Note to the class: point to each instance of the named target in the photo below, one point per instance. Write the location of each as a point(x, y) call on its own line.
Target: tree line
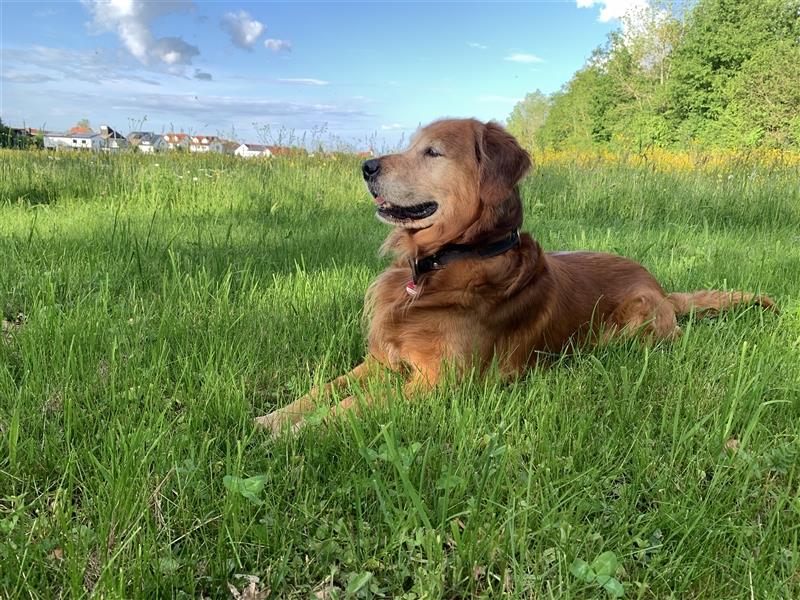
point(710, 73)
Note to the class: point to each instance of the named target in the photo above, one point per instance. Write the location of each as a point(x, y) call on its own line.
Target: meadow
point(153, 305)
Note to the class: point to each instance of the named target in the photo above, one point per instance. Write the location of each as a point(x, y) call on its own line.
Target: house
point(250, 150)
point(113, 141)
point(226, 147)
point(83, 138)
point(176, 141)
point(204, 143)
point(73, 141)
point(147, 142)
point(285, 151)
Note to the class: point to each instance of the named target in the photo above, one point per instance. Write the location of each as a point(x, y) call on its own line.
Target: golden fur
point(513, 307)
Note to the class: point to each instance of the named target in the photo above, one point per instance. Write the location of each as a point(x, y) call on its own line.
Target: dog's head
point(456, 182)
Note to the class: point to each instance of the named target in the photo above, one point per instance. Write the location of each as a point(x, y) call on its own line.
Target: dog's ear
point(502, 162)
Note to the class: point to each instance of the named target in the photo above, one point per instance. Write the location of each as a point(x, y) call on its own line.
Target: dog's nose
point(371, 167)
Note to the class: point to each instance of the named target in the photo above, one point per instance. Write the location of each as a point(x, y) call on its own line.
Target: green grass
point(161, 314)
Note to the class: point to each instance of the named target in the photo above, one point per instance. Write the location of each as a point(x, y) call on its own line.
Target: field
point(153, 305)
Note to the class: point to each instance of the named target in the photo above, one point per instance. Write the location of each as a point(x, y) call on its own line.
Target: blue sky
point(360, 71)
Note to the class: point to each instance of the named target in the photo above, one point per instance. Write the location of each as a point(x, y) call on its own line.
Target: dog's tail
point(710, 302)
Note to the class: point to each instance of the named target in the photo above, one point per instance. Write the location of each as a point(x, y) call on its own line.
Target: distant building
point(113, 141)
point(251, 150)
point(176, 141)
point(147, 142)
point(204, 143)
point(286, 151)
point(83, 138)
point(73, 141)
point(226, 147)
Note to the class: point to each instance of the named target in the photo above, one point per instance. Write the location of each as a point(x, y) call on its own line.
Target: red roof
point(208, 138)
point(175, 137)
point(285, 151)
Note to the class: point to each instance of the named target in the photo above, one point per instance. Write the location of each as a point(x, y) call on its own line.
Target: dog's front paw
point(277, 422)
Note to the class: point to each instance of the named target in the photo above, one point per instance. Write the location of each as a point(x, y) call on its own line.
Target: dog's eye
point(432, 152)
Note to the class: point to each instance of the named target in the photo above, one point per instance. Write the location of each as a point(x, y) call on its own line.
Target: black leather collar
point(453, 252)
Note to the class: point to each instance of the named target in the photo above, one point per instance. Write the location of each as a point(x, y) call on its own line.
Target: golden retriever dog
point(467, 288)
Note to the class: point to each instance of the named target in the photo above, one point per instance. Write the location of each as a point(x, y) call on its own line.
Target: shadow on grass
point(32, 195)
point(242, 246)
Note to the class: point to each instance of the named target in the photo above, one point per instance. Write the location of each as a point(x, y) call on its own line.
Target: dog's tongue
point(379, 200)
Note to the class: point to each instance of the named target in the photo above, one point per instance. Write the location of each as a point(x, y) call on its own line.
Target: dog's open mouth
point(405, 213)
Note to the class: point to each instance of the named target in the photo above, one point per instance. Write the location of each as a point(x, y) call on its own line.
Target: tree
point(82, 126)
point(721, 37)
point(651, 33)
point(764, 99)
point(717, 72)
point(577, 113)
point(528, 117)
point(6, 140)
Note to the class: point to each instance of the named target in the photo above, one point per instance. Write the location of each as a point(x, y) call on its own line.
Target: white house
point(204, 143)
point(82, 138)
point(147, 142)
point(250, 150)
point(74, 141)
point(176, 141)
point(113, 141)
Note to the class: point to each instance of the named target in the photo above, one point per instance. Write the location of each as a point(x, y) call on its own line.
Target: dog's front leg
point(423, 378)
point(293, 414)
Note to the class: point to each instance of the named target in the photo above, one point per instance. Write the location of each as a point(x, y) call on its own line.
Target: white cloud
point(613, 9)
point(202, 75)
point(496, 98)
point(304, 81)
point(18, 77)
point(477, 45)
point(230, 108)
point(391, 127)
point(131, 21)
point(174, 51)
point(243, 29)
point(278, 45)
point(93, 66)
point(523, 58)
